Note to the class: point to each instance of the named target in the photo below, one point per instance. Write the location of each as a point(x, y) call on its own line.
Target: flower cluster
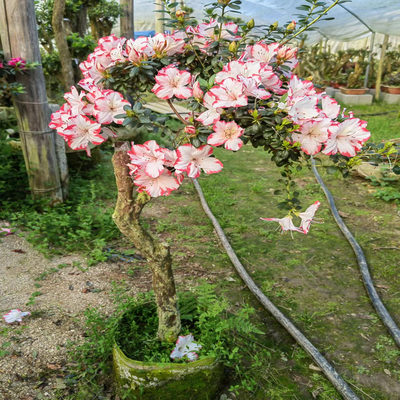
point(158, 171)
point(319, 122)
point(259, 80)
point(80, 120)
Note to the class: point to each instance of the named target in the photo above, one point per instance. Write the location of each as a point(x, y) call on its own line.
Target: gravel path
point(56, 292)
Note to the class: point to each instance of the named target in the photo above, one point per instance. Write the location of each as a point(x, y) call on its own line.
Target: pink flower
point(229, 94)
point(6, 230)
point(17, 62)
point(299, 88)
point(1, 65)
point(81, 131)
point(172, 82)
point(148, 157)
point(307, 217)
point(191, 160)
point(226, 133)
point(262, 52)
point(286, 223)
point(162, 185)
point(304, 108)
point(212, 114)
point(313, 135)
point(108, 106)
point(347, 137)
point(198, 94)
point(15, 315)
point(185, 347)
point(190, 129)
point(330, 107)
point(139, 50)
point(60, 118)
point(166, 45)
point(75, 100)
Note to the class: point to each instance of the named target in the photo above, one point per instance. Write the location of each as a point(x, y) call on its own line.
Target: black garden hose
point(362, 262)
point(330, 372)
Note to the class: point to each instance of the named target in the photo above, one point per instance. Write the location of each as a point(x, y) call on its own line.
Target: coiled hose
point(330, 372)
point(362, 262)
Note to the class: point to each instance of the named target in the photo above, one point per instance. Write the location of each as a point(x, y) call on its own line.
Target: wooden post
point(159, 14)
point(380, 67)
point(126, 22)
point(19, 38)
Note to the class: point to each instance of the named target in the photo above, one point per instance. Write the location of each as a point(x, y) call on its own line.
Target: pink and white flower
point(192, 160)
point(185, 347)
point(330, 107)
point(307, 217)
point(226, 133)
point(15, 315)
point(81, 131)
point(303, 108)
point(148, 157)
point(172, 82)
point(229, 94)
point(108, 106)
point(212, 114)
point(162, 185)
point(166, 45)
point(75, 100)
point(313, 135)
point(286, 223)
point(347, 137)
point(262, 52)
point(198, 94)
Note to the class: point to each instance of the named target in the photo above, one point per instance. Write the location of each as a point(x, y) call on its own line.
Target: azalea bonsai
point(236, 88)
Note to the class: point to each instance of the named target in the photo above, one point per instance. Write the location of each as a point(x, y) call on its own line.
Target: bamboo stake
point(18, 32)
point(380, 67)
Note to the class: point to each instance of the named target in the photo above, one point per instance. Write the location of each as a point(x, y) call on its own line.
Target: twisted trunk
point(126, 217)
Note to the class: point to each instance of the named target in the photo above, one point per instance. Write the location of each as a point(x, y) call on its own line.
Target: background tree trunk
point(61, 43)
point(19, 38)
point(126, 22)
point(126, 217)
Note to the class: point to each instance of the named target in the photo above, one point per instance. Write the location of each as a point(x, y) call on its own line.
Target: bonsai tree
point(236, 87)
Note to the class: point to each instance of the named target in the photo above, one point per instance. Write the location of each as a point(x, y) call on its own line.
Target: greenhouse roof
point(381, 16)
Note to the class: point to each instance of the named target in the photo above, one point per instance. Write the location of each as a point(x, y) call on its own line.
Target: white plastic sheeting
point(382, 16)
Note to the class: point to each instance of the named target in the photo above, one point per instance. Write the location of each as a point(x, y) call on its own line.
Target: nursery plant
point(237, 87)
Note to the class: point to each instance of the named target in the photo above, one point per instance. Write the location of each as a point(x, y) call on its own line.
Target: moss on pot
point(166, 381)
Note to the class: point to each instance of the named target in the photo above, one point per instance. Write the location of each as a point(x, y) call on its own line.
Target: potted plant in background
point(236, 89)
point(355, 82)
point(392, 83)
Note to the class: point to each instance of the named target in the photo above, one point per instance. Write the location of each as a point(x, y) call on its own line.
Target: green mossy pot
point(197, 380)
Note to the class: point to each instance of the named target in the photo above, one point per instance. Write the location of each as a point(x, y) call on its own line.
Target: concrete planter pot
point(197, 380)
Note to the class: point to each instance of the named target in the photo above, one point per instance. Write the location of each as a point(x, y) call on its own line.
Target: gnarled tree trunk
point(126, 217)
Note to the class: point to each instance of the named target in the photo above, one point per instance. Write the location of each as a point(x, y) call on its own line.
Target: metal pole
point(371, 50)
